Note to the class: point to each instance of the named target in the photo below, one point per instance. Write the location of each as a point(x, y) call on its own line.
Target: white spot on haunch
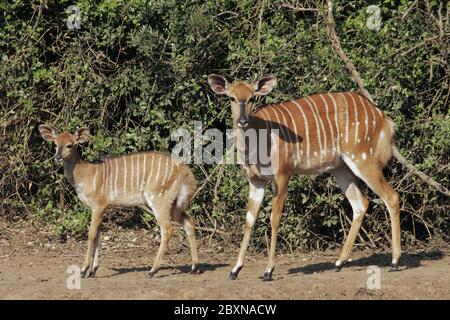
point(364, 156)
point(371, 151)
point(352, 166)
point(359, 140)
point(315, 153)
point(368, 138)
point(353, 156)
point(182, 195)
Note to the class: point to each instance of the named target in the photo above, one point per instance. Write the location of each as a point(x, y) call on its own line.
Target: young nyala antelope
point(149, 180)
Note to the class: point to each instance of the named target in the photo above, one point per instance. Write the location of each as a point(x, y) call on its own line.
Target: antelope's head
point(241, 93)
point(65, 142)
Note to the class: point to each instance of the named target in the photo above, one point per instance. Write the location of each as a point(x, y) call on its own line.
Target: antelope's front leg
point(277, 208)
point(93, 244)
point(255, 198)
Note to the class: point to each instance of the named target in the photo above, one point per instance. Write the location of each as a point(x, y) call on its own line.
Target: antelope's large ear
point(218, 84)
point(81, 135)
point(48, 132)
point(264, 85)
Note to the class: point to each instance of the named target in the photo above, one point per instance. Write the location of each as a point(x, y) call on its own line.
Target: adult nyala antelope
point(150, 180)
point(341, 133)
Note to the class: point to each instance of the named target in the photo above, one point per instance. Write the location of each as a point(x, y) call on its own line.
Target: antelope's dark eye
point(69, 146)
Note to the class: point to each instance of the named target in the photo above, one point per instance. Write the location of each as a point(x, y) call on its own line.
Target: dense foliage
point(136, 70)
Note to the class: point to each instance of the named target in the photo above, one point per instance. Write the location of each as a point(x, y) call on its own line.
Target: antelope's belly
point(129, 199)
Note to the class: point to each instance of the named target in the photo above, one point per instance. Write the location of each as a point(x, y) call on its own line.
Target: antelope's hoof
point(232, 276)
point(195, 270)
point(337, 268)
point(93, 272)
point(267, 277)
point(83, 272)
point(394, 267)
point(151, 274)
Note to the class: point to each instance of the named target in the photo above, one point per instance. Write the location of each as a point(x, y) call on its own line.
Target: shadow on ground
point(203, 267)
point(408, 261)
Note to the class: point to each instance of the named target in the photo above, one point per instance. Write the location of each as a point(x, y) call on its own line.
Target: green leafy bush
point(137, 69)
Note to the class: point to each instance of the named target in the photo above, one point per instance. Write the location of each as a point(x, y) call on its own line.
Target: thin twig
point(8, 255)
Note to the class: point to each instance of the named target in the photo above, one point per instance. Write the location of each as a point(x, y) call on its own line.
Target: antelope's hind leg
point(373, 176)
point(161, 210)
point(181, 217)
point(348, 183)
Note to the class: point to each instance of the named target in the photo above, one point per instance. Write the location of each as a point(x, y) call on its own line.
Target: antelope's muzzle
point(242, 121)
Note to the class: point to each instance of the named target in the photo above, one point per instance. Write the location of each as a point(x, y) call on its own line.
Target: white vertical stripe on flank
point(373, 116)
point(338, 133)
point(116, 176)
point(288, 135)
point(124, 175)
point(356, 118)
point(103, 176)
point(282, 129)
point(108, 179)
point(267, 118)
point(132, 172)
point(366, 121)
point(346, 116)
point(169, 175)
point(159, 166)
point(143, 172)
point(305, 121)
point(267, 123)
point(381, 113)
point(277, 121)
point(151, 168)
point(94, 185)
point(138, 156)
point(296, 138)
point(110, 167)
point(317, 126)
point(322, 127)
point(166, 168)
point(327, 112)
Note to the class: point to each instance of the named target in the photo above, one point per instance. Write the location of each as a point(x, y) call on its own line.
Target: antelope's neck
point(74, 169)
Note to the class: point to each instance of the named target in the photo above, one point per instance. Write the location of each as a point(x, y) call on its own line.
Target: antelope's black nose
point(58, 157)
point(242, 123)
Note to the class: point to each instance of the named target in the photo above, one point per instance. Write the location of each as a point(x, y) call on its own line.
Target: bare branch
point(331, 31)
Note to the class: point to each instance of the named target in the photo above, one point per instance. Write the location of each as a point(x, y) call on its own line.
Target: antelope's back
point(317, 130)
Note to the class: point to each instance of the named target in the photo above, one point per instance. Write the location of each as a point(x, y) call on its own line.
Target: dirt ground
point(33, 265)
